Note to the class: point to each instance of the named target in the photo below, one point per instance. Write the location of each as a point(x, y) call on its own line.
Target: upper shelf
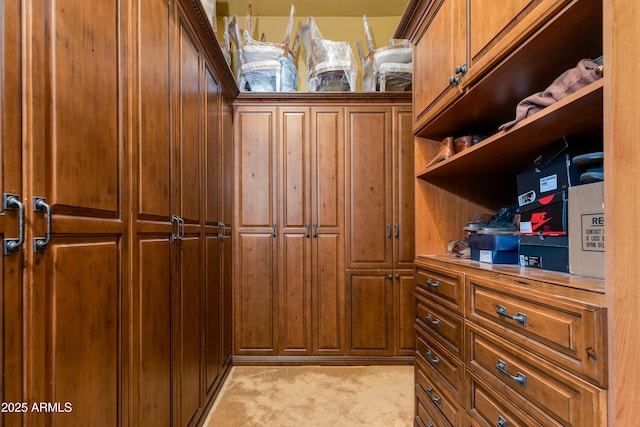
point(513, 150)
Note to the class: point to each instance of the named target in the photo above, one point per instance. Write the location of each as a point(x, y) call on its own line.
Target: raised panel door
point(11, 279)
point(437, 51)
point(368, 188)
point(404, 284)
point(294, 273)
point(327, 204)
point(212, 325)
point(371, 318)
point(76, 295)
point(403, 191)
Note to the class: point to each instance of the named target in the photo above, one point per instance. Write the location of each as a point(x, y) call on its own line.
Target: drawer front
point(425, 415)
point(432, 396)
point(441, 364)
point(442, 286)
point(569, 334)
point(568, 399)
point(445, 325)
point(488, 408)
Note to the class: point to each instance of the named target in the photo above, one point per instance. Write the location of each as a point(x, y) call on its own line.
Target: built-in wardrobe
point(116, 216)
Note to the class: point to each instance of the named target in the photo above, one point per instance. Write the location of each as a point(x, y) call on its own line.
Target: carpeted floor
point(308, 396)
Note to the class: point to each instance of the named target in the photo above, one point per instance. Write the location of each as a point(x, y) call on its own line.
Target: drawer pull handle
point(520, 318)
point(501, 421)
point(435, 399)
point(434, 285)
point(435, 360)
point(433, 321)
point(520, 378)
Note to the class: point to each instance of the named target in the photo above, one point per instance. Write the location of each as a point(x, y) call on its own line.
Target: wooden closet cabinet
point(289, 296)
point(380, 231)
point(112, 148)
point(503, 345)
point(458, 41)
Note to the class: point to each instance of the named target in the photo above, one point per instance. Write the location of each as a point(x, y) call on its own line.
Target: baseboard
point(321, 360)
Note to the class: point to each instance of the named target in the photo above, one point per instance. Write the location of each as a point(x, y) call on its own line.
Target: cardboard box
point(586, 223)
point(548, 253)
point(494, 257)
point(550, 177)
point(546, 216)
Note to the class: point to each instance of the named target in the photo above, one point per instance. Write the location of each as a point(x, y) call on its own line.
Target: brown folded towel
point(585, 73)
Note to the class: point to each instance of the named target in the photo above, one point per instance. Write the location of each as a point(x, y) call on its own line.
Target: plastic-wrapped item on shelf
point(210, 10)
point(394, 77)
point(369, 82)
point(331, 64)
point(288, 75)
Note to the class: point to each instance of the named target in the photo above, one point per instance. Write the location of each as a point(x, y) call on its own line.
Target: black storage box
point(546, 216)
point(543, 180)
point(548, 253)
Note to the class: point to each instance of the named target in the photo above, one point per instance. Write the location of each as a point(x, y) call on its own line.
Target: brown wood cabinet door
point(77, 302)
point(495, 28)
point(11, 291)
point(327, 205)
point(369, 216)
point(403, 191)
point(256, 232)
point(227, 218)
point(152, 192)
point(371, 315)
point(405, 303)
point(437, 52)
point(294, 238)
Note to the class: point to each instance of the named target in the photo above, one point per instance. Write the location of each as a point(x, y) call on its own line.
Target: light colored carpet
point(306, 396)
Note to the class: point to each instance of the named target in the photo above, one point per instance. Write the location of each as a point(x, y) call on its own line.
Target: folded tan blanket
point(586, 72)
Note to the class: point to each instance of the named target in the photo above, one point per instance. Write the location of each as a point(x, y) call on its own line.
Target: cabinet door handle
point(435, 285)
point(308, 228)
point(433, 320)
point(454, 80)
point(175, 237)
point(315, 231)
point(11, 202)
point(275, 230)
point(461, 69)
point(388, 231)
point(40, 205)
point(435, 359)
point(520, 318)
point(397, 226)
point(520, 378)
point(435, 399)
point(502, 422)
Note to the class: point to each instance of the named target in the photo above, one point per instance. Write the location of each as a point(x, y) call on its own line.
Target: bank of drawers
point(495, 349)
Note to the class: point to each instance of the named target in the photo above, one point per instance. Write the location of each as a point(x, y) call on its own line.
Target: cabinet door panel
point(189, 357)
point(154, 288)
point(154, 145)
point(328, 292)
point(81, 330)
point(11, 267)
point(371, 314)
point(405, 313)
point(212, 149)
point(255, 294)
point(212, 311)
point(404, 191)
point(295, 295)
point(369, 227)
point(255, 142)
point(295, 168)
point(189, 127)
point(83, 136)
point(328, 158)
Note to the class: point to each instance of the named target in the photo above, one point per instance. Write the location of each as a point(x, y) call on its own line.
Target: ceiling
point(313, 7)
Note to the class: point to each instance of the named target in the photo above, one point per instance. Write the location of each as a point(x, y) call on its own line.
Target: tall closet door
point(12, 308)
point(327, 195)
point(75, 188)
point(152, 204)
point(188, 286)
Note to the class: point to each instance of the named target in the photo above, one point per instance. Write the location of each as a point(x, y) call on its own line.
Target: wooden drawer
point(569, 333)
point(525, 377)
point(441, 364)
point(444, 287)
point(435, 400)
point(425, 415)
point(488, 408)
point(445, 325)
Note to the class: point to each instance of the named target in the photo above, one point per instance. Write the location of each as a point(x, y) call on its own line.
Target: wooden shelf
point(513, 150)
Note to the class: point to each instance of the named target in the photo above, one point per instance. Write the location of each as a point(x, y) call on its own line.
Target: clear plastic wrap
point(331, 64)
point(393, 77)
point(210, 10)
